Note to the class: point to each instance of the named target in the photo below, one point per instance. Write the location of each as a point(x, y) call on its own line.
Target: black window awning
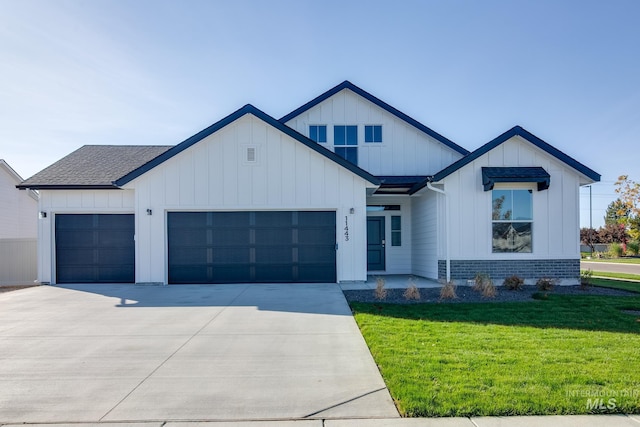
point(515, 174)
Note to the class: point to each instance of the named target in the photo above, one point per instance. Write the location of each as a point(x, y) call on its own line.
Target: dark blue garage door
point(244, 247)
point(95, 248)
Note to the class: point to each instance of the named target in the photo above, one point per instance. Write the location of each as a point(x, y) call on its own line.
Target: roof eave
point(67, 187)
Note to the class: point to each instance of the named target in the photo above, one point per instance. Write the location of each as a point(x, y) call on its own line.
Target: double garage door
point(232, 247)
point(204, 247)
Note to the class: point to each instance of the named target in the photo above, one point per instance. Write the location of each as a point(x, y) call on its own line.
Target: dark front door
point(95, 248)
point(375, 243)
point(237, 247)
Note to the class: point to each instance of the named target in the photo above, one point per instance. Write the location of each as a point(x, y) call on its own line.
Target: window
point(318, 133)
point(373, 133)
point(512, 217)
point(345, 141)
point(396, 231)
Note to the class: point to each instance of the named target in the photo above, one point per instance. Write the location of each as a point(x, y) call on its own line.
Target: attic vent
point(251, 154)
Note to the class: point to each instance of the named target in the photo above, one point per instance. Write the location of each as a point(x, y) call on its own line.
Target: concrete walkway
point(131, 354)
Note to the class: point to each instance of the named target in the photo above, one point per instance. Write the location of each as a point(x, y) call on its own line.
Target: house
point(18, 229)
point(342, 187)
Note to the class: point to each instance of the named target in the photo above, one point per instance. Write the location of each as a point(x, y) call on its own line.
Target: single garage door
point(238, 247)
point(95, 248)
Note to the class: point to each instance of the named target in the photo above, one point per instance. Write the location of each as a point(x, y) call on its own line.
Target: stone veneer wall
point(499, 269)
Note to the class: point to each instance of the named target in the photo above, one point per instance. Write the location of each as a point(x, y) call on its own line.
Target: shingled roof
point(94, 167)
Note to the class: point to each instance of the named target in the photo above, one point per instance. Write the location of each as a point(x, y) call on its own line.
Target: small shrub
point(545, 284)
point(412, 292)
point(633, 248)
point(616, 250)
point(380, 293)
point(480, 280)
point(448, 291)
point(585, 278)
point(489, 291)
point(513, 283)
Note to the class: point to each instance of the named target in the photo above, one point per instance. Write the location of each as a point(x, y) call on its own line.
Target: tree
point(589, 236)
point(629, 192)
point(613, 233)
point(617, 212)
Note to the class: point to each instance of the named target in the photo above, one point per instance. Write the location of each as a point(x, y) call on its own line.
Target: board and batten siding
point(215, 175)
point(404, 150)
point(425, 234)
point(73, 202)
point(18, 209)
point(556, 231)
point(397, 258)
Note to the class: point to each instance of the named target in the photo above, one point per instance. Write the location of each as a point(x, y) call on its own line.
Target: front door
point(375, 243)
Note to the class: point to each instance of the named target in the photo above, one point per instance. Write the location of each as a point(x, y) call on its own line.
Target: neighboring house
point(342, 187)
point(18, 229)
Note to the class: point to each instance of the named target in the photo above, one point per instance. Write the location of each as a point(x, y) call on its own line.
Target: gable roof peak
point(366, 95)
point(529, 137)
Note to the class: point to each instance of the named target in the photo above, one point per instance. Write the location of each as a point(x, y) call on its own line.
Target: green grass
point(617, 275)
point(616, 284)
point(614, 260)
point(542, 357)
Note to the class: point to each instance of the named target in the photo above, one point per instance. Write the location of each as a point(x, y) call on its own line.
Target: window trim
point(346, 147)
point(373, 134)
point(511, 187)
point(397, 232)
point(318, 134)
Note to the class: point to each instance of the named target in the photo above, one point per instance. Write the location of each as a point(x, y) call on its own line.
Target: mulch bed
point(466, 294)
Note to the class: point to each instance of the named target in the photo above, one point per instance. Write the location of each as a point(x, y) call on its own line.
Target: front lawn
point(615, 284)
point(553, 356)
point(611, 275)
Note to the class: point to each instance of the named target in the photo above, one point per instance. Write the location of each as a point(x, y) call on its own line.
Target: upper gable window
point(345, 141)
point(373, 133)
point(512, 220)
point(318, 133)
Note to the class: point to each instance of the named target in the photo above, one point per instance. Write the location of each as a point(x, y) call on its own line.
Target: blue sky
point(156, 72)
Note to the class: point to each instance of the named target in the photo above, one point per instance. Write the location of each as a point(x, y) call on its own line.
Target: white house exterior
point(18, 229)
point(342, 187)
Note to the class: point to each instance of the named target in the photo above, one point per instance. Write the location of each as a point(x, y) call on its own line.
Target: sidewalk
point(533, 421)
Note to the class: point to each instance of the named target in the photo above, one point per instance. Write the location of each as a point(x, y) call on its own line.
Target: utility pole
point(590, 222)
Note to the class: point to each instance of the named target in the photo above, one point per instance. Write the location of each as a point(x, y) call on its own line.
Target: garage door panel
point(74, 222)
point(315, 273)
point(113, 238)
point(315, 255)
point(74, 239)
point(114, 257)
point(191, 236)
point(274, 255)
point(233, 255)
point(230, 236)
point(95, 248)
point(282, 246)
point(275, 273)
point(274, 219)
point(320, 236)
point(273, 235)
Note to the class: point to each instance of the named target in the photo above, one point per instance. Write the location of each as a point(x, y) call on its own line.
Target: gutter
point(446, 229)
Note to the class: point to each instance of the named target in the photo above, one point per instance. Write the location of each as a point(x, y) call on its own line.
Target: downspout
point(446, 229)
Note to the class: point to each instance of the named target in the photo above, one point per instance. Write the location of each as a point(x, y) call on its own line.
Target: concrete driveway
point(222, 352)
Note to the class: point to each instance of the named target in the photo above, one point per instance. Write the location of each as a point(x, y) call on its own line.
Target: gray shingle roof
point(94, 166)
